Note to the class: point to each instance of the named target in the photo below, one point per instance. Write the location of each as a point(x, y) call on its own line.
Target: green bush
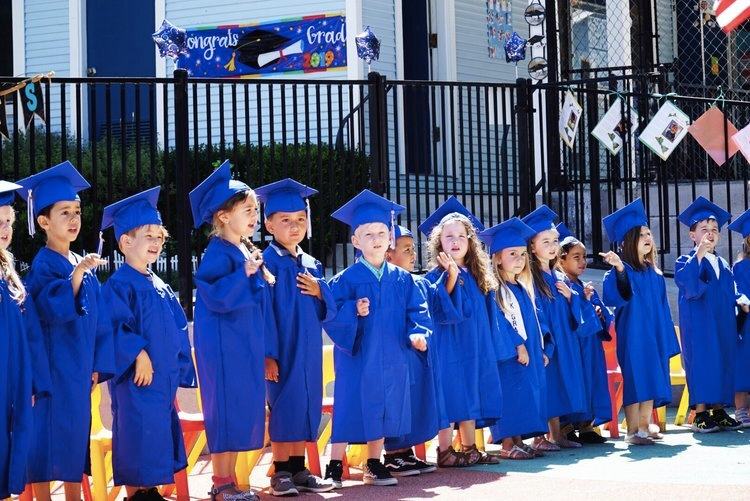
point(337, 175)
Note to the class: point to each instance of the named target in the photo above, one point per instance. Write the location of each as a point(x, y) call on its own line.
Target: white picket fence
point(162, 264)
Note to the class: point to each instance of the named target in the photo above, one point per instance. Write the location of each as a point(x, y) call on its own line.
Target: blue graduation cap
point(56, 184)
point(8, 192)
point(286, 195)
point(368, 207)
point(741, 224)
point(402, 231)
point(511, 233)
point(217, 188)
point(133, 212)
point(450, 206)
point(564, 231)
point(625, 219)
point(540, 219)
point(702, 209)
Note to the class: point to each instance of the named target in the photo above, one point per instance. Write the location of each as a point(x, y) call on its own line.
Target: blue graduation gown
point(708, 328)
point(560, 318)
point(296, 400)
point(15, 395)
point(77, 337)
point(590, 334)
point(372, 394)
point(741, 272)
point(234, 332)
point(524, 387)
point(646, 338)
point(147, 446)
point(424, 402)
point(468, 347)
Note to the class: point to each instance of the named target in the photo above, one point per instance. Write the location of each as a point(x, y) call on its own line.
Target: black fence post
point(183, 237)
point(592, 112)
point(378, 115)
point(526, 167)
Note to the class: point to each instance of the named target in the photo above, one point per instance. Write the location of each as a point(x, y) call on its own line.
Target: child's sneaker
point(743, 416)
point(400, 465)
point(724, 420)
point(305, 481)
point(704, 423)
point(334, 471)
point(376, 473)
point(419, 464)
point(282, 485)
point(230, 492)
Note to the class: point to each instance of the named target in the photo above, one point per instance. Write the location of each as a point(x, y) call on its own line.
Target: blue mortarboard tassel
point(515, 48)
point(171, 40)
point(368, 46)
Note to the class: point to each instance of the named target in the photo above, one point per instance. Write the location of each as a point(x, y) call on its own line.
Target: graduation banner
point(32, 102)
point(292, 45)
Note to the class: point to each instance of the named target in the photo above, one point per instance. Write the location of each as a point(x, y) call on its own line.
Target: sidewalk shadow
point(658, 450)
point(727, 439)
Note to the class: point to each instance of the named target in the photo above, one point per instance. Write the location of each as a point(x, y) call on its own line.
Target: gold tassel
point(230, 65)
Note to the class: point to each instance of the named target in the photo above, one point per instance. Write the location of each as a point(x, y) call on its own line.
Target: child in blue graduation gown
point(18, 325)
point(646, 340)
point(594, 330)
point(741, 272)
point(523, 378)
point(466, 342)
point(560, 311)
point(152, 353)
point(381, 315)
point(75, 326)
point(234, 326)
point(708, 323)
point(302, 300)
point(399, 453)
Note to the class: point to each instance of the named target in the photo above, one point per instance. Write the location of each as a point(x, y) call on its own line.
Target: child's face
point(512, 261)
point(546, 245)
point(63, 223)
point(373, 240)
point(454, 240)
point(708, 228)
point(404, 255)
point(288, 228)
point(145, 246)
point(242, 220)
point(645, 242)
point(574, 262)
point(7, 218)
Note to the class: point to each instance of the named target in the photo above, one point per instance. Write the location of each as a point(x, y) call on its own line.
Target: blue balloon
point(515, 48)
point(368, 46)
point(171, 40)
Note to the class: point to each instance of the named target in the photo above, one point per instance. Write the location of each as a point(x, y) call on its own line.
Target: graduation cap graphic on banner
point(261, 48)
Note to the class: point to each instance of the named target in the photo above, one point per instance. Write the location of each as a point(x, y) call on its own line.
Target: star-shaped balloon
point(515, 48)
point(171, 40)
point(368, 46)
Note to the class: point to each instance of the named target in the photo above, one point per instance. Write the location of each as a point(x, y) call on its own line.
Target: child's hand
point(89, 262)
point(545, 359)
point(599, 313)
point(144, 371)
point(94, 380)
point(745, 308)
point(446, 261)
point(363, 307)
point(309, 285)
point(563, 289)
point(588, 291)
point(253, 264)
point(523, 354)
point(705, 246)
point(272, 370)
point(419, 342)
point(612, 259)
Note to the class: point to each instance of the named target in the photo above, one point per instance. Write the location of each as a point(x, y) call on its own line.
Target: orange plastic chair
point(614, 381)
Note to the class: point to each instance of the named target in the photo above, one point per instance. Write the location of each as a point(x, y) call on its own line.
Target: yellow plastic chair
point(101, 451)
point(328, 378)
point(677, 377)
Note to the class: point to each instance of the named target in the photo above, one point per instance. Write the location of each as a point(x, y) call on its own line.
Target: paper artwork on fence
point(570, 117)
point(742, 140)
point(666, 130)
point(613, 127)
point(708, 131)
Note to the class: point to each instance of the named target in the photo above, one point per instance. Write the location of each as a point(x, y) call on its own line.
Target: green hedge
point(337, 175)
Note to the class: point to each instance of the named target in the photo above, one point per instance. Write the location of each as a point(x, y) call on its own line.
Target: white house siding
point(47, 48)
point(665, 17)
point(193, 13)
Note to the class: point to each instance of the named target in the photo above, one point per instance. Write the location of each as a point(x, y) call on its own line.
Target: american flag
point(731, 13)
